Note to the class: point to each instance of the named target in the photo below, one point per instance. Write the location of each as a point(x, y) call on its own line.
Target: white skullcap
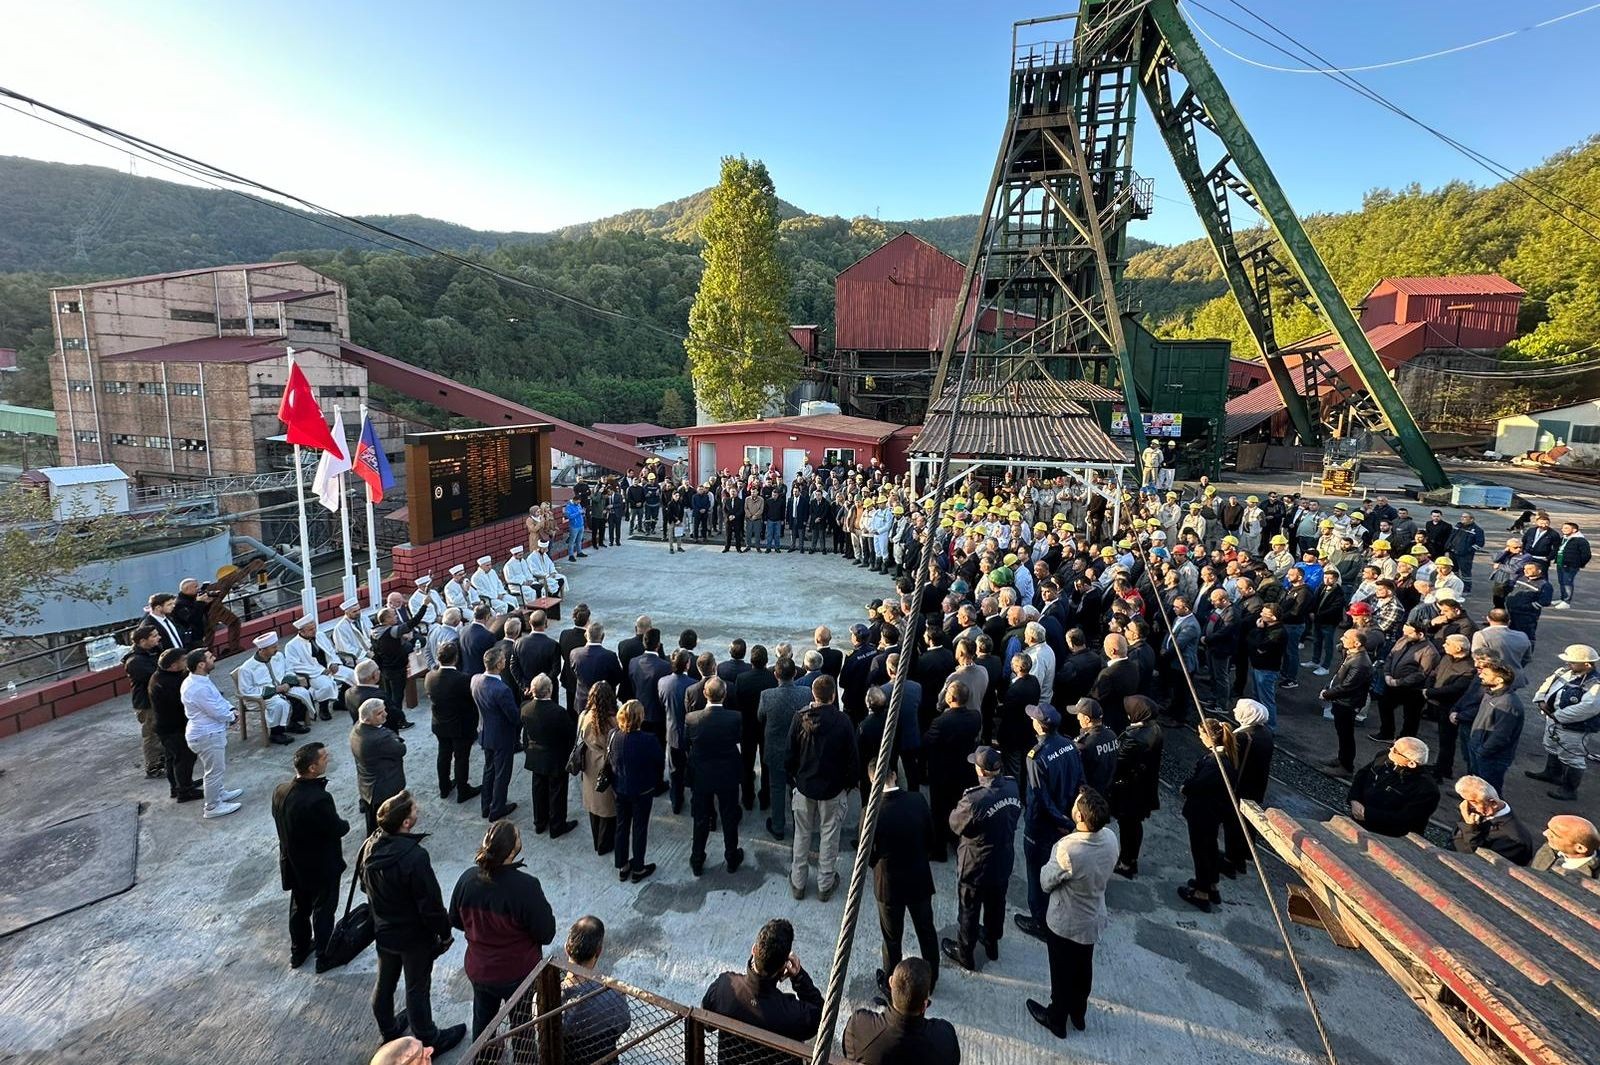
point(1248, 712)
point(266, 639)
point(349, 604)
point(458, 568)
point(424, 579)
point(517, 550)
point(544, 545)
point(484, 560)
point(305, 620)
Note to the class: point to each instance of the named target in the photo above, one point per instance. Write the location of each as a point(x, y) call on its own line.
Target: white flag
point(331, 468)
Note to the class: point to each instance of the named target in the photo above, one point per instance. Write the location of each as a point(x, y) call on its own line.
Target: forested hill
point(1456, 229)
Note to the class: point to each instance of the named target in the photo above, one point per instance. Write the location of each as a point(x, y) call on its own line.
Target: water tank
point(818, 406)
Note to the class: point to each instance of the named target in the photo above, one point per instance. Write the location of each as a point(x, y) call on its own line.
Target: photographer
point(754, 998)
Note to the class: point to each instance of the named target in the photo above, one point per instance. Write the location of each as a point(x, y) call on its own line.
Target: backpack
point(1571, 693)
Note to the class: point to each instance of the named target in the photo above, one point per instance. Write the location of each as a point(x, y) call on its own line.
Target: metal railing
point(564, 1014)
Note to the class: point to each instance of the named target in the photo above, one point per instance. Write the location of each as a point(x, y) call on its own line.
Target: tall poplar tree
point(739, 348)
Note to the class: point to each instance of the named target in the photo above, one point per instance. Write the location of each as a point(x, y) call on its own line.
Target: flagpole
point(374, 574)
point(350, 582)
point(308, 592)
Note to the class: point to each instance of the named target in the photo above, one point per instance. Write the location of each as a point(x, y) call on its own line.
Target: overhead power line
point(1518, 181)
point(1440, 53)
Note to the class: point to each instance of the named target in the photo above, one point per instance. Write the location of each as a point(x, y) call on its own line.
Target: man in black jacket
point(746, 701)
point(903, 1032)
point(645, 673)
point(537, 652)
point(832, 657)
point(947, 746)
point(1076, 673)
point(753, 997)
point(1118, 679)
point(1097, 746)
point(902, 880)
point(548, 733)
point(1347, 692)
point(627, 651)
point(591, 664)
point(455, 721)
point(391, 649)
point(476, 639)
point(569, 641)
point(1394, 795)
point(141, 664)
point(411, 924)
point(309, 853)
point(1487, 823)
point(730, 668)
point(986, 823)
point(854, 673)
point(822, 768)
point(166, 704)
point(380, 757)
point(712, 735)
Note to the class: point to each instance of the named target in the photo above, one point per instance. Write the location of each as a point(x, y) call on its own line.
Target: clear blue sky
point(532, 115)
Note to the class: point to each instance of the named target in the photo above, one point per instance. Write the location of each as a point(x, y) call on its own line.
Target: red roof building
point(1477, 312)
point(792, 442)
point(638, 434)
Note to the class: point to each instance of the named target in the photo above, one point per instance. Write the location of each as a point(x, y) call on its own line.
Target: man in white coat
point(487, 588)
point(456, 593)
point(519, 584)
point(542, 567)
point(310, 654)
point(264, 675)
point(350, 639)
point(426, 596)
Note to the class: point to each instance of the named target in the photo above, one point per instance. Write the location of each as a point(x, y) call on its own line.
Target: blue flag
point(371, 464)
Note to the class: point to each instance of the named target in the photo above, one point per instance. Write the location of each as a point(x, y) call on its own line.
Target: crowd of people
point(1063, 630)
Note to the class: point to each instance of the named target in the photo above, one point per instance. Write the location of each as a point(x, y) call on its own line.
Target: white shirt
point(208, 712)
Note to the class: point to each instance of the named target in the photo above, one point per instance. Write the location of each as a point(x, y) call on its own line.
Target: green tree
point(738, 342)
point(674, 412)
point(41, 559)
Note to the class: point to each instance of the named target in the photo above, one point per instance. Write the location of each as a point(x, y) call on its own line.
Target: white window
point(835, 455)
point(758, 456)
point(69, 307)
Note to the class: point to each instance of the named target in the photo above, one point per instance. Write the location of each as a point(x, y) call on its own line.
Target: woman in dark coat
point(636, 764)
point(1136, 785)
point(1252, 741)
point(1207, 806)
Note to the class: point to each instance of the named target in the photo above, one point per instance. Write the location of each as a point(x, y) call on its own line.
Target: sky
point(533, 115)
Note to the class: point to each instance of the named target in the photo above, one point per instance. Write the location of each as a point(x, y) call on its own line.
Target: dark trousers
point(633, 830)
point(707, 803)
point(1035, 852)
point(1131, 831)
point(679, 766)
point(549, 800)
point(1344, 727)
point(311, 910)
point(1071, 977)
point(486, 1002)
point(454, 752)
point(180, 763)
point(1409, 703)
point(1449, 735)
point(614, 528)
point(819, 538)
point(392, 682)
point(417, 964)
point(496, 778)
point(702, 522)
point(603, 830)
point(943, 795)
point(973, 902)
point(1235, 849)
point(1203, 848)
point(658, 729)
point(734, 535)
point(892, 920)
point(370, 812)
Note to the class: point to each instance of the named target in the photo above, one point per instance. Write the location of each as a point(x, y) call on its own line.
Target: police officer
point(985, 822)
point(1055, 772)
point(1097, 747)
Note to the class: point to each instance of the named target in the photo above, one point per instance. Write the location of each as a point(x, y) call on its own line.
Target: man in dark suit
point(902, 880)
point(746, 701)
point(1118, 679)
point(309, 855)
point(366, 687)
point(627, 651)
point(705, 667)
point(933, 668)
point(569, 641)
point(645, 672)
point(380, 757)
point(832, 657)
point(854, 674)
point(476, 639)
point(673, 688)
point(548, 733)
point(499, 729)
point(734, 665)
point(712, 735)
point(591, 664)
point(537, 652)
point(888, 644)
point(1076, 673)
point(455, 721)
point(950, 738)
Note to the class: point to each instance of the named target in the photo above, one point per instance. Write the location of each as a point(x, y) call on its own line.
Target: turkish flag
point(302, 418)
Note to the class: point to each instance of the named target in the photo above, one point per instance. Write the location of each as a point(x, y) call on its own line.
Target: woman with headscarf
point(595, 726)
point(1136, 783)
point(1252, 741)
point(1207, 806)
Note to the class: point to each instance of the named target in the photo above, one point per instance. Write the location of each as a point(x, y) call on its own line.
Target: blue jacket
point(476, 639)
point(646, 671)
point(636, 762)
point(986, 821)
point(574, 513)
point(499, 717)
point(672, 688)
point(1055, 772)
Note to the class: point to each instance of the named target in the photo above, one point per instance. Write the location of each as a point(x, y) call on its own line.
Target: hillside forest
point(63, 223)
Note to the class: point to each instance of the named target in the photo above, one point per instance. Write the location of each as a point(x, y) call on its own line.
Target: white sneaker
point(1560, 604)
point(230, 794)
point(1361, 717)
point(222, 809)
point(1319, 672)
point(1327, 713)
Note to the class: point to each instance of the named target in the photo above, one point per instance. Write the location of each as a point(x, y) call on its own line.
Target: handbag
point(605, 778)
point(575, 759)
point(355, 931)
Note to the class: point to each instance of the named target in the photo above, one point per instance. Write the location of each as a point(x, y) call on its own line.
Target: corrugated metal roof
point(1251, 409)
point(1454, 285)
point(28, 420)
point(206, 349)
point(1029, 419)
point(632, 431)
point(98, 473)
point(1393, 343)
point(885, 300)
point(989, 395)
point(1088, 392)
point(843, 425)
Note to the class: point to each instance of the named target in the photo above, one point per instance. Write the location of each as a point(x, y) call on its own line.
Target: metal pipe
point(66, 372)
point(272, 555)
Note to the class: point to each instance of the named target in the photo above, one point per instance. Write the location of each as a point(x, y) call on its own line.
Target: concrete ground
point(191, 964)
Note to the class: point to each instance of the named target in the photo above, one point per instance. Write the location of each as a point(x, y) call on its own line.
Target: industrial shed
point(792, 442)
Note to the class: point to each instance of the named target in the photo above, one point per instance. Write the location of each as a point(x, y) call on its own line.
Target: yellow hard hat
point(1280, 539)
point(1326, 523)
point(945, 523)
point(899, 511)
point(1419, 550)
point(1408, 561)
point(1231, 541)
point(1011, 560)
point(1380, 545)
point(1106, 552)
point(1014, 516)
point(1040, 526)
point(1252, 499)
point(1067, 525)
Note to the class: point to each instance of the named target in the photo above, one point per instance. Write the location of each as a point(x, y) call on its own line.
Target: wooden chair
point(248, 702)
